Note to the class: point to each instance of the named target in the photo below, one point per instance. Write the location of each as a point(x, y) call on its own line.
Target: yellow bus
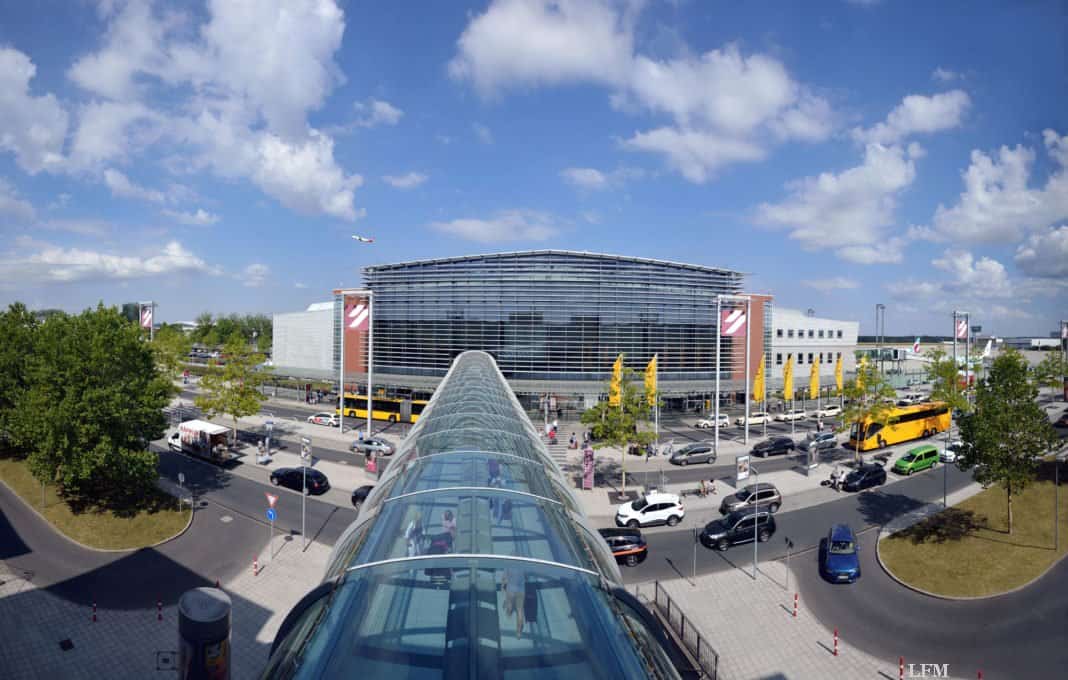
point(391, 409)
point(902, 424)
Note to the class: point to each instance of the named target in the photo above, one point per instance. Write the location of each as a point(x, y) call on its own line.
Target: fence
point(707, 657)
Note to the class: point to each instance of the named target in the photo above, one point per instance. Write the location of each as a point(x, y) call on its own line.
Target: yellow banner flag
point(758, 383)
point(614, 387)
point(814, 380)
point(788, 379)
point(838, 374)
point(650, 381)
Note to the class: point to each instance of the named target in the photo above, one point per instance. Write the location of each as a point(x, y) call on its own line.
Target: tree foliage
point(234, 388)
point(944, 376)
point(619, 426)
point(93, 400)
point(171, 348)
point(1051, 370)
point(17, 328)
point(253, 328)
point(868, 397)
point(1007, 431)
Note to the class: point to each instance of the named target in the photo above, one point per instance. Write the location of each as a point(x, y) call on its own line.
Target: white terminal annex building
point(555, 321)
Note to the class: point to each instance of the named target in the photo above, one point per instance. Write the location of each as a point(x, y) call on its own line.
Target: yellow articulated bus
point(902, 424)
point(392, 409)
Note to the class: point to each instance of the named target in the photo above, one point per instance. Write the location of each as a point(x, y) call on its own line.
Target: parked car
point(829, 411)
point(774, 446)
point(763, 494)
point(738, 527)
point(626, 544)
point(323, 418)
point(865, 477)
point(1062, 421)
point(709, 421)
point(699, 452)
point(839, 555)
point(950, 453)
point(917, 459)
point(360, 493)
point(787, 416)
point(293, 478)
point(368, 444)
point(651, 509)
point(757, 418)
point(818, 441)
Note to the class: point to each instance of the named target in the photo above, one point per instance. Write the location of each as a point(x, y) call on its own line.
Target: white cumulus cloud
point(13, 208)
point(406, 181)
point(33, 128)
point(47, 263)
point(1045, 254)
point(834, 283)
point(197, 218)
point(918, 114)
point(510, 225)
point(585, 178)
point(120, 185)
point(377, 112)
point(255, 275)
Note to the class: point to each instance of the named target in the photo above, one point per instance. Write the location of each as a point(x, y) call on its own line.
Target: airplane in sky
point(914, 353)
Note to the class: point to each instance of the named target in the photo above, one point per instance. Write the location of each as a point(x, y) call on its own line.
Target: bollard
point(94, 612)
point(255, 565)
point(980, 675)
point(836, 642)
point(159, 610)
point(795, 605)
point(900, 668)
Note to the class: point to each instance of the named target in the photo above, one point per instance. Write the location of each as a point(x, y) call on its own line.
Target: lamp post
point(341, 359)
point(880, 330)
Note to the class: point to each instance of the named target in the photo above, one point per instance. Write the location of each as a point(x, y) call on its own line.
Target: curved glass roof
point(470, 558)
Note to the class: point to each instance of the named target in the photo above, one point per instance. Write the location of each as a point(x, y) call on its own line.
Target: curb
point(954, 598)
point(78, 543)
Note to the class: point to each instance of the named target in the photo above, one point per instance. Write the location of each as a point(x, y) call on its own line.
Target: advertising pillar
point(204, 635)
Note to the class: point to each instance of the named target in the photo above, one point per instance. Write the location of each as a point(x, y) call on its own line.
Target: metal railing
point(707, 657)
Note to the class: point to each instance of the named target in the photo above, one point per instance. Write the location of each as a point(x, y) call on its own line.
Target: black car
point(293, 478)
point(864, 477)
point(626, 544)
point(700, 452)
point(774, 446)
point(738, 527)
point(359, 495)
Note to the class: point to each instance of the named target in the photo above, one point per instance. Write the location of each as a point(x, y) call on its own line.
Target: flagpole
point(370, 357)
point(341, 371)
point(656, 395)
point(719, 331)
point(748, 320)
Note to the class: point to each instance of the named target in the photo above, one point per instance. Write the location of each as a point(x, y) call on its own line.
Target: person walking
point(514, 585)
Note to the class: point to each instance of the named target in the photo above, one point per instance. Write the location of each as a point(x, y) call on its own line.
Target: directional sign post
point(271, 500)
point(305, 454)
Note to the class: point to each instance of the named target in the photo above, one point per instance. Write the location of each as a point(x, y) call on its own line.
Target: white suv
point(755, 418)
point(709, 422)
point(652, 508)
point(829, 411)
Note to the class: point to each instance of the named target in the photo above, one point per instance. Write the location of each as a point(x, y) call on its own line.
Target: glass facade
point(471, 558)
point(549, 315)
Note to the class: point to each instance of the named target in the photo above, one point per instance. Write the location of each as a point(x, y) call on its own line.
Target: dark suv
point(701, 452)
point(747, 497)
point(738, 527)
point(864, 477)
point(627, 545)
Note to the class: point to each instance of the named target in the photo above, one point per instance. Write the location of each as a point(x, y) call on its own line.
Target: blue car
point(840, 555)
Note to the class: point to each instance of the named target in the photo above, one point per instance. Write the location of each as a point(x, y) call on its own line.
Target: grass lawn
point(159, 520)
point(967, 550)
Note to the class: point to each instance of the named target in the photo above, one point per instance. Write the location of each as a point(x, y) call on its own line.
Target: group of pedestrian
point(838, 477)
point(706, 488)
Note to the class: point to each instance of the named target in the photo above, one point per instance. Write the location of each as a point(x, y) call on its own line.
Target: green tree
point(205, 323)
point(1008, 431)
point(171, 347)
point(618, 426)
point(944, 375)
point(234, 388)
point(17, 329)
point(869, 397)
point(94, 399)
point(1051, 370)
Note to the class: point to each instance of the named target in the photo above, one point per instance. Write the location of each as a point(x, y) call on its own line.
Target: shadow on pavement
point(879, 507)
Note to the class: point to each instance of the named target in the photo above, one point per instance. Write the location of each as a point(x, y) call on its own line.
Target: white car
point(652, 508)
point(709, 422)
point(949, 454)
point(323, 418)
point(755, 418)
point(787, 416)
point(829, 411)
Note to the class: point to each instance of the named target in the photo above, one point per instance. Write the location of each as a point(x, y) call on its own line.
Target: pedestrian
point(648, 451)
point(712, 486)
point(413, 535)
point(819, 425)
point(834, 478)
point(448, 523)
point(703, 489)
point(548, 429)
point(555, 424)
point(573, 442)
point(514, 585)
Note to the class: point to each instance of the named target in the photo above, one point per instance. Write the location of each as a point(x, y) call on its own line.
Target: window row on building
point(825, 357)
point(813, 333)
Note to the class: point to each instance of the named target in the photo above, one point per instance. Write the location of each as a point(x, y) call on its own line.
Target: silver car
point(379, 446)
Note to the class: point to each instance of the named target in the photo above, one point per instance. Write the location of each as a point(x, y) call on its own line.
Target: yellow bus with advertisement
point(901, 424)
point(391, 409)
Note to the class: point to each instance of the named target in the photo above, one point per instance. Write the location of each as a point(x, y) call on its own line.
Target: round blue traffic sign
point(271, 514)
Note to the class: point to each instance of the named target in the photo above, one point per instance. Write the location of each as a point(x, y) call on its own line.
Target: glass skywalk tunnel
point(471, 559)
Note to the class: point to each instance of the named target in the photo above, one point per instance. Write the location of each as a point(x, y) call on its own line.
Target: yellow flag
point(814, 380)
point(650, 381)
point(838, 374)
point(788, 379)
point(614, 396)
point(758, 383)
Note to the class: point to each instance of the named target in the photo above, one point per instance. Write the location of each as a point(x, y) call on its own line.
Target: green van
point(917, 459)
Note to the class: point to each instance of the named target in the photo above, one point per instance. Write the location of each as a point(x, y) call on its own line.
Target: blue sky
point(217, 156)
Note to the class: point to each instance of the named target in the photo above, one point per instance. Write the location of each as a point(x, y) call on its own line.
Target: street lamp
point(880, 330)
point(370, 350)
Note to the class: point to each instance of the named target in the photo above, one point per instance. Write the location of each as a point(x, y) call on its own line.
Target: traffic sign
point(271, 500)
point(271, 514)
